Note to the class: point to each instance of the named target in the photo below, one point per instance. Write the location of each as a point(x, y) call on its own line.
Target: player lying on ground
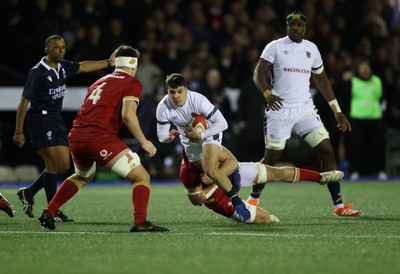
point(201, 190)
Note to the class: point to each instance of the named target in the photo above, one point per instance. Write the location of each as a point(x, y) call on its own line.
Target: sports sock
point(234, 197)
point(66, 191)
point(334, 189)
point(35, 186)
point(256, 191)
point(235, 179)
point(50, 185)
point(140, 200)
point(306, 175)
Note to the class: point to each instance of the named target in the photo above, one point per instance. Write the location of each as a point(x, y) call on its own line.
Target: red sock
point(309, 175)
point(66, 191)
point(140, 200)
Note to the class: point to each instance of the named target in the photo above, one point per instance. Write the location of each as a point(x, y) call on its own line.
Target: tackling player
point(200, 189)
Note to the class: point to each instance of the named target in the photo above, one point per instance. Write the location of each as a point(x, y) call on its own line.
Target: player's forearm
point(228, 166)
point(133, 126)
point(261, 76)
point(163, 133)
point(218, 124)
point(21, 114)
point(89, 66)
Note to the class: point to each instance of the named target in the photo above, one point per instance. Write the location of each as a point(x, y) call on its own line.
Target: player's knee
point(86, 174)
point(316, 136)
point(137, 175)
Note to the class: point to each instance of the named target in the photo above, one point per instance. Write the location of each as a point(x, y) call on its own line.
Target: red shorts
point(189, 174)
point(218, 201)
point(100, 150)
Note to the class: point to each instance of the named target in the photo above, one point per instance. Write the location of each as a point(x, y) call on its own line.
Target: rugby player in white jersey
point(203, 149)
point(283, 76)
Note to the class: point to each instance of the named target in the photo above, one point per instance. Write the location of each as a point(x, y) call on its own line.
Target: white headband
point(125, 61)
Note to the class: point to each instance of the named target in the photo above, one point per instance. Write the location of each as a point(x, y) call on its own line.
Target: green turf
point(307, 240)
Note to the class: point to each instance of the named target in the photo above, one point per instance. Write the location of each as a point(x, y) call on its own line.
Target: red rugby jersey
point(100, 114)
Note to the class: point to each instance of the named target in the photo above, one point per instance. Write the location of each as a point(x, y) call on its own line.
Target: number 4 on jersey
point(96, 93)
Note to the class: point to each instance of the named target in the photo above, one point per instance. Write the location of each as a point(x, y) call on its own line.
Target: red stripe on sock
point(309, 175)
point(66, 191)
point(140, 200)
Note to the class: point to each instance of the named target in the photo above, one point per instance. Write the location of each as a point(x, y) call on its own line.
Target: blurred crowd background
point(216, 45)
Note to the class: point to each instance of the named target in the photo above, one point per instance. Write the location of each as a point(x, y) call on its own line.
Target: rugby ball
point(199, 123)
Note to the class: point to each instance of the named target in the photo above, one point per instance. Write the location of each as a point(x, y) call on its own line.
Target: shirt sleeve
point(31, 85)
point(217, 124)
point(133, 92)
point(268, 53)
point(163, 124)
point(317, 66)
point(71, 68)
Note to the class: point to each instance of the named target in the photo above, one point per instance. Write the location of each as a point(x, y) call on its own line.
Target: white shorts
point(279, 124)
point(194, 151)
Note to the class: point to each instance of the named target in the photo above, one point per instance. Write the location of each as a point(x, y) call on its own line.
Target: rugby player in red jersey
point(110, 102)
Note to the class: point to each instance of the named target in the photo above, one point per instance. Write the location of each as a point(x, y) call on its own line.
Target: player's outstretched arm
point(131, 121)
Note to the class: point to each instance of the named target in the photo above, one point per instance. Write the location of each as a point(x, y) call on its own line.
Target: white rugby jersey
point(292, 64)
point(196, 103)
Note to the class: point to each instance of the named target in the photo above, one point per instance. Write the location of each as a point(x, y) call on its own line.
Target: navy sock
point(236, 179)
point(234, 197)
point(50, 185)
point(35, 186)
point(256, 190)
point(334, 189)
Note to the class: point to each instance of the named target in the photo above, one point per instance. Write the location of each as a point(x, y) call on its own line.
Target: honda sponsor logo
point(297, 70)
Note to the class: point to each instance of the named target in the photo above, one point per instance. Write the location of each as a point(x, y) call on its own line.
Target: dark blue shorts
point(46, 130)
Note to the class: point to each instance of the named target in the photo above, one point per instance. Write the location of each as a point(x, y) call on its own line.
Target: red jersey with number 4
point(100, 114)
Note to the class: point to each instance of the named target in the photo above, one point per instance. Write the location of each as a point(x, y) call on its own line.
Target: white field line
point(243, 234)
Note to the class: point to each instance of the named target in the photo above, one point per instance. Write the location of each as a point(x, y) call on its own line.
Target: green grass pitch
point(309, 239)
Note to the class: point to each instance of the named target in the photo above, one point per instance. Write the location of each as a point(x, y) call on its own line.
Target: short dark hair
point(175, 80)
point(51, 38)
point(128, 51)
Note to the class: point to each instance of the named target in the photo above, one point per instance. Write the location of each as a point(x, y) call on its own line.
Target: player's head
point(177, 88)
point(296, 25)
point(54, 47)
point(126, 58)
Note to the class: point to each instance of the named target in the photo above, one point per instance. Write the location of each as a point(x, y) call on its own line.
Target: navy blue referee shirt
point(45, 87)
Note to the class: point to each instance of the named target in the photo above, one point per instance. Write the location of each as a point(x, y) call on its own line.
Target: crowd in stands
point(214, 43)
